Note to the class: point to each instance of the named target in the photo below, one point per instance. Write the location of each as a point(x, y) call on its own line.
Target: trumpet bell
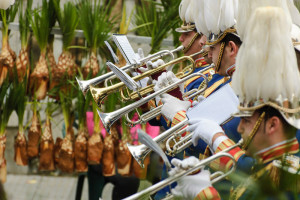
point(83, 85)
point(106, 120)
point(139, 153)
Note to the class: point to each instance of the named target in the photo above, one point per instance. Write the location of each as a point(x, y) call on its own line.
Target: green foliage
point(82, 106)
point(19, 92)
point(156, 20)
point(6, 105)
point(66, 106)
point(7, 16)
point(24, 23)
point(40, 24)
point(96, 22)
point(68, 21)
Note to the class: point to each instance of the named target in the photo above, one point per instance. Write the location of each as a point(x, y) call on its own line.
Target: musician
point(224, 45)
point(266, 86)
point(193, 41)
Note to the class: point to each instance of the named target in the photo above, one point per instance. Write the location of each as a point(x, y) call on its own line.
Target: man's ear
point(233, 48)
point(273, 125)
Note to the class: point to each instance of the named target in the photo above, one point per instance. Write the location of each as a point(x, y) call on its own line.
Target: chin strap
point(253, 132)
point(186, 49)
point(217, 67)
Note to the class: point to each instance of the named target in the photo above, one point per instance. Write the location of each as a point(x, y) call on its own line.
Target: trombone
point(144, 118)
point(109, 118)
point(215, 177)
point(85, 84)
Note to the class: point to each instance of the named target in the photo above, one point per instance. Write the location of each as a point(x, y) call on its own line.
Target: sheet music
point(125, 47)
point(218, 107)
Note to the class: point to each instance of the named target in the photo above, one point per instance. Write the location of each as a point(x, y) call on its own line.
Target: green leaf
point(40, 24)
point(68, 20)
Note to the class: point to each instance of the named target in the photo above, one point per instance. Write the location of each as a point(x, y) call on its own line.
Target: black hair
point(232, 37)
point(289, 130)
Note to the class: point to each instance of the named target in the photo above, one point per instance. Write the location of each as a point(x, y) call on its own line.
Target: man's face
point(185, 40)
point(213, 53)
point(246, 126)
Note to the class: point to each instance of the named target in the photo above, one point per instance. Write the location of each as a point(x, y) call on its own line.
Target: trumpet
point(109, 118)
point(214, 177)
point(148, 89)
point(85, 84)
point(100, 93)
point(144, 118)
point(175, 143)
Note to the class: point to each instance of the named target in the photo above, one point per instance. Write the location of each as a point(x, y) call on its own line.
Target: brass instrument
point(109, 118)
point(214, 177)
point(175, 143)
point(85, 84)
point(100, 93)
point(144, 118)
point(149, 88)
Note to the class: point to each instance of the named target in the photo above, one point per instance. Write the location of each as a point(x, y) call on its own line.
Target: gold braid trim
point(223, 35)
point(274, 105)
point(253, 132)
point(191, 43)
point(217, 68)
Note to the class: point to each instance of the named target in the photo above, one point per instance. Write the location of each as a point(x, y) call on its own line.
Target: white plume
point(198, 16)
point(212, 15)
point(188, 13)
point(182, 8)
point(4, 4)
point(266, 63)
point(227, 14)
point(247, 7)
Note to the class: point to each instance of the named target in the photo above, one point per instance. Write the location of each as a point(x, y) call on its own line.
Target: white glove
point(181, 165)
point(188, 187)
point(172, 105)
point(203, 129)
point(152, 65)
point(166, 79)
point(140, 54)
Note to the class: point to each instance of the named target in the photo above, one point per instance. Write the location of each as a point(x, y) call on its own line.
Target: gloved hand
point(172, 105)
point(181, 165)
point(198, 100)
point(188, 187)
point(166, 79)
point(139, 56)
point(203, 129)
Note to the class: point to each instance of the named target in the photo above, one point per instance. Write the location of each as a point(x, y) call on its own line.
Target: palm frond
point(24, 23)
point(40, 24)
point(68, 21)
point(161, 19)
point(95, 21)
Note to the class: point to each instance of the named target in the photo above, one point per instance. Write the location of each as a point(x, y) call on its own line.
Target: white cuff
point(218, 141)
